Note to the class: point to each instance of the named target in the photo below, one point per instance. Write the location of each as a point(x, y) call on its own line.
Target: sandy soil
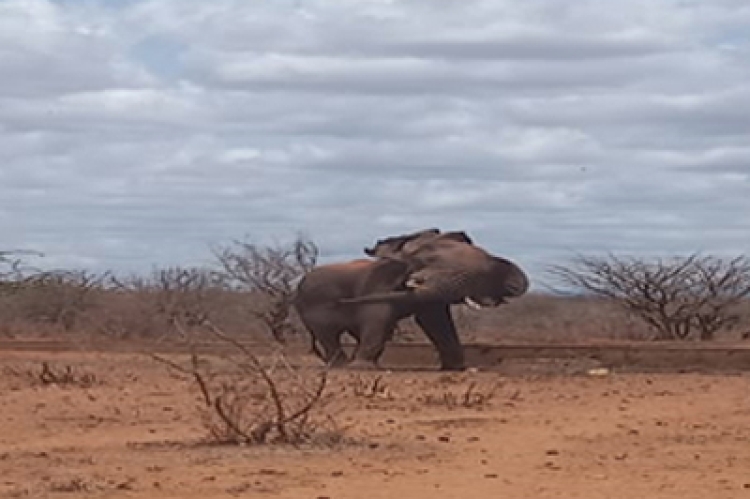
point(135, 433)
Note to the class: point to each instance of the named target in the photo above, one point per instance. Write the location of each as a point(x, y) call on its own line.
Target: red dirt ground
point(135, 433)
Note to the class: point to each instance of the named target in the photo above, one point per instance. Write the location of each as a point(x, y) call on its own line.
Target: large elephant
point(420, 274)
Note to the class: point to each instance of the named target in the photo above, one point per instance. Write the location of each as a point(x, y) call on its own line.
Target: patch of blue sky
point(160, 55)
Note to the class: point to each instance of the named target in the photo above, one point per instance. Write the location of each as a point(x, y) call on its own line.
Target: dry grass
point(135, 310)
point(550, 319)
point(145, 308)
point(471, 396)
point(50, 374)
point(546, 318)
point(540, 318)
point(143, 315)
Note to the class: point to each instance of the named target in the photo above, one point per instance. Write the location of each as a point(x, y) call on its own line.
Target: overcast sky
point(136, 133)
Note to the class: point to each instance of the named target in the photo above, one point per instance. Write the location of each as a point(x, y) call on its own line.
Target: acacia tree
point(6, 270)
point(13, 268)
point(270, 271)
point(679, 298)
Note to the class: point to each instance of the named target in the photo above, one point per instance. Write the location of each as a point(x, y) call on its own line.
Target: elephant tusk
point(472, 304)
point(414, 283)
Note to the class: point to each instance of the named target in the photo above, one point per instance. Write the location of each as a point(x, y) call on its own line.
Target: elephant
point(420, 275)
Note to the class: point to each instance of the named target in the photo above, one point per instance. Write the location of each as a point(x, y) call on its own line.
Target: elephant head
point(448, 268)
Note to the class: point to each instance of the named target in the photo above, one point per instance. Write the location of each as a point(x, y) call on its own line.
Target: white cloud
point(141, 132)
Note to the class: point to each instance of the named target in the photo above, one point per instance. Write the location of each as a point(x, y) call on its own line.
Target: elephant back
point(331, 282)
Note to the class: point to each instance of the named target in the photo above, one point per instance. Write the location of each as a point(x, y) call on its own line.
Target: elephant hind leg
point(327, 345)
point(326, 330)
point(373, 336)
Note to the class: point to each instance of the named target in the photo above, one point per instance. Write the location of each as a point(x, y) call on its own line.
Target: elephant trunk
point(516, 282)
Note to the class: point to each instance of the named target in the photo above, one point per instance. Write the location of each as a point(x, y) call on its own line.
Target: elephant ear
point(455, 236)
point(387, 274)
point(444, 250)
point(393, 247)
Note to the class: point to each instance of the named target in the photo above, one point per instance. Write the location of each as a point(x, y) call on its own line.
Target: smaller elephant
point(420, 275)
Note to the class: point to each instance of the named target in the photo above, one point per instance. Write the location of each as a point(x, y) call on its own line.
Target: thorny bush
point(259, 400)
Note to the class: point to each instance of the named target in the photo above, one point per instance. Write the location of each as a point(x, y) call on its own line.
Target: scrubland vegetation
point(248, 291)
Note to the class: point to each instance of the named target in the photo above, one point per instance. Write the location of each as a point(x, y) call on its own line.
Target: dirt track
point(561, 358)
point(135, 433)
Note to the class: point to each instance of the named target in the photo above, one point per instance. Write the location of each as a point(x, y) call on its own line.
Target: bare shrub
point(126, 309)
point(270, 272)
point(371, 387)
point(56, 300)
point(181, 293)
point(472, 396)
point(13, 273)
point(60, 298)
point(65, 376)
point(261, 401)
point(80, 485)
point(150, 306)
point(679, 298)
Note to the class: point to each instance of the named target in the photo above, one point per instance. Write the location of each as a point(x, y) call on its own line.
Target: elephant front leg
point(437, 323)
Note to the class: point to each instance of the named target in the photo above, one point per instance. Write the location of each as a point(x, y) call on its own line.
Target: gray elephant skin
point(421, 275)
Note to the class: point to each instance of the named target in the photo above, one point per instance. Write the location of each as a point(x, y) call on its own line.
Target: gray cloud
point(139, 133)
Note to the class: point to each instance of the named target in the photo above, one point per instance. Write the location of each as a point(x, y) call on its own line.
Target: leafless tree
point(678, 297)
point(270, 272)
point(182, 293)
